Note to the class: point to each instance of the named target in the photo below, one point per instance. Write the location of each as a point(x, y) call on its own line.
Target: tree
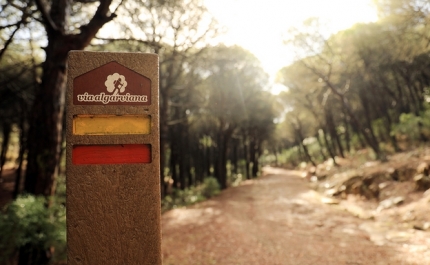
point(233, 90)
point(45, 133)
point(325, 60)
point(308, 95)
point(17, 80)
point(68, 25)
point(178, 31)
point(358, 82)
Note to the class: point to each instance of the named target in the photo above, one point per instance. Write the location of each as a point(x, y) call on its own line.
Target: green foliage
point(290, 156)
point(191, 195)
point(28, 222)
point(314, 149)
point(378, 128)
point(407, 127)
point(210, 187)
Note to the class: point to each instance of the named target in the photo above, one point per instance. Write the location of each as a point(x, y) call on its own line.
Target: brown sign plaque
point(113, 181)
point(112, 84)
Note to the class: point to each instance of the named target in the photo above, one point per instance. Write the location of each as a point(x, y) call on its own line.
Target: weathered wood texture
point(113, 210)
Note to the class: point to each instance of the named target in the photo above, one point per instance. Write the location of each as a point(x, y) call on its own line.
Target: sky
point(260, 26)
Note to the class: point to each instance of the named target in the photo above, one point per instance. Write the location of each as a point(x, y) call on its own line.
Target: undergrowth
point(27, 222)
point(179, 198)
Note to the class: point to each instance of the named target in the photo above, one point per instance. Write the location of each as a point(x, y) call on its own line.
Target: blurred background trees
point(358, 87)
point(364, 87)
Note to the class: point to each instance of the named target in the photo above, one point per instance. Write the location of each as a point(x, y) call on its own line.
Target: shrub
point(180, 198)
point(188, 196)
point(211, 187)
point(407, 126)
point(28, 222)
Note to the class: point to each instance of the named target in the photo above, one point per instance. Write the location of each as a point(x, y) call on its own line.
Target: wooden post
point(113, 179)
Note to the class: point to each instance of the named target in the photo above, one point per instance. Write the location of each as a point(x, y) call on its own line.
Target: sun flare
point(261, 26)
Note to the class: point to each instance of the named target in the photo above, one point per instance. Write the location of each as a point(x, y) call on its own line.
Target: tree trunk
point(299, 137)
point(370, 140)
point(224, 136)
point(235, 157)
point(212, 154)
point(347, 134)
point(333, 133)
point(44, 138)
point(252, 156)
point(22, 150)
point(208, 160)
point(7, 128)
point(184, 157)
point(328, 146)
point(46, 121)
point(30, 254)
point(306, 151)
point(403, 107)
point(164, 135)
point(246, 156)
point(199, 163)
point(369, 133)
point(173, 167)
point(222, 161)
point(255, 154)
point(321, 147)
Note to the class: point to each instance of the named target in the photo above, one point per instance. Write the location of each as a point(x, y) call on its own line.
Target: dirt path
point(275, 219)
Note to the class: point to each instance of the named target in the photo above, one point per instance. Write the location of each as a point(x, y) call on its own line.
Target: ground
point(279, 219)
point(286, 217)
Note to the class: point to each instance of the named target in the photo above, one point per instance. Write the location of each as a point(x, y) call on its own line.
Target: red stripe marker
point(111, 154)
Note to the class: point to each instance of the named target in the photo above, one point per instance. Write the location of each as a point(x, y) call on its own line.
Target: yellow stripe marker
point(111, 124)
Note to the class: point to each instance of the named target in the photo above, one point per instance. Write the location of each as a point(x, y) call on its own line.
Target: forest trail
point(278, 219)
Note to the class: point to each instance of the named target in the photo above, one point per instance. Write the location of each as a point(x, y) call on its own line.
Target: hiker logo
point(111, 84)
point(115, 83)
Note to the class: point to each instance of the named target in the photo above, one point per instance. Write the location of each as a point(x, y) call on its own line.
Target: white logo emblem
point(115, 83)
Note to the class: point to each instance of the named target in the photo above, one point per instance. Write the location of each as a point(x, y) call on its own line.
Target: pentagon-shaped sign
point(111, 84)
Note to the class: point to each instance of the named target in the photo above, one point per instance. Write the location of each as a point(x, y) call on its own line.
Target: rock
point(393, 173)
point(422, 226)
point(383, 185)
point(371, 163)
point(327, 200)
point(374, 190)
point(398, 200)
point(306, 175)
point(409, 216)
point(303, 165)
point(423, 168)
point(321, 172)
point(406, 173)
point(356, 210)
point(398, 236)
point(390, 202)
point(422, 182)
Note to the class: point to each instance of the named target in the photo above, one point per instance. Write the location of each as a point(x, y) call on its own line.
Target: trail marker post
point(112, 159)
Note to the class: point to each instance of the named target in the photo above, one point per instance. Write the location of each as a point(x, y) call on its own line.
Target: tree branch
point(101, 17)
point(149, 43)
point(49, 24)
point(9, 41)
